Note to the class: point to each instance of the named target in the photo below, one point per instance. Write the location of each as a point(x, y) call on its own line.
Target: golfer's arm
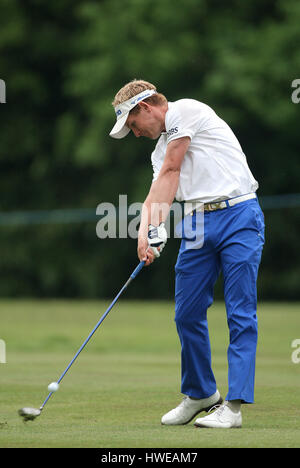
point(162, 192)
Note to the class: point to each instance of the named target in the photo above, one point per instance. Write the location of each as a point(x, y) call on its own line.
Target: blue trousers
point(232, 243)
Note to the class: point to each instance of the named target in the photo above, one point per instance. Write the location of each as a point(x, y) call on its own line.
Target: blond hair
point(135, 87)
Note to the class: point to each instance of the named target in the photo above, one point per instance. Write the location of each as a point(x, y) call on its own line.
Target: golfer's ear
point(144, 105)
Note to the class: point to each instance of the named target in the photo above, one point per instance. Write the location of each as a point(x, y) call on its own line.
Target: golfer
point(198, 160)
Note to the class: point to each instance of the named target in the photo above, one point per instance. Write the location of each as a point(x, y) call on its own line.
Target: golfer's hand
point(145, 253)
point(157, 238)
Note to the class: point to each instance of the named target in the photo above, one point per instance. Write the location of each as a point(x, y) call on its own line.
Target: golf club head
point(29, 414)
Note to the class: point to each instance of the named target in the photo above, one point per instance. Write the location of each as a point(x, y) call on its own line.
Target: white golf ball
point(53, 387)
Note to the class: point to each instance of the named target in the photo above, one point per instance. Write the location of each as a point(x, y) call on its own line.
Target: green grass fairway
point(128, 376)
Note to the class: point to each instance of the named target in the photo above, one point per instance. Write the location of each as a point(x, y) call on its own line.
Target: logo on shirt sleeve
point(172, 131)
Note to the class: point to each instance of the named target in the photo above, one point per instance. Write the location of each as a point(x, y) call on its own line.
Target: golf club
point(29, 414)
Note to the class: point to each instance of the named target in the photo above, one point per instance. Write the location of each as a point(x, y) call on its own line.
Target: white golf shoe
point(224, 417)
point(189, 408)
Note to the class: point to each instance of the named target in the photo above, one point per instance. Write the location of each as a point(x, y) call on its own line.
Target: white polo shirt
point(214, 167)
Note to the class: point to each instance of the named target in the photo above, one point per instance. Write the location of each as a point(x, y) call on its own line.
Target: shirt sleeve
point(182, 119)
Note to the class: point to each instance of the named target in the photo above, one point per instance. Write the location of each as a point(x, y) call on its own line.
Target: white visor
point(120, 130)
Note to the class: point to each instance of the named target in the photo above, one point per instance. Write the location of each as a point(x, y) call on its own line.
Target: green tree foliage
point(64, 60)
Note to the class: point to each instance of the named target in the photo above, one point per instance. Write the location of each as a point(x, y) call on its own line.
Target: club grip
point(138, 269)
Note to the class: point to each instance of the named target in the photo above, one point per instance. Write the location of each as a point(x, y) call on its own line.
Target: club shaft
point(132, 276)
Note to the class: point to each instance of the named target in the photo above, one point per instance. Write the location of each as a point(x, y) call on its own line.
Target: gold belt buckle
point(213, 206)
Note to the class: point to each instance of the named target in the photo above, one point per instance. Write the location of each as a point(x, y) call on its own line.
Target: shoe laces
point(181, 405)
point(184, 401)
point(218, 409)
